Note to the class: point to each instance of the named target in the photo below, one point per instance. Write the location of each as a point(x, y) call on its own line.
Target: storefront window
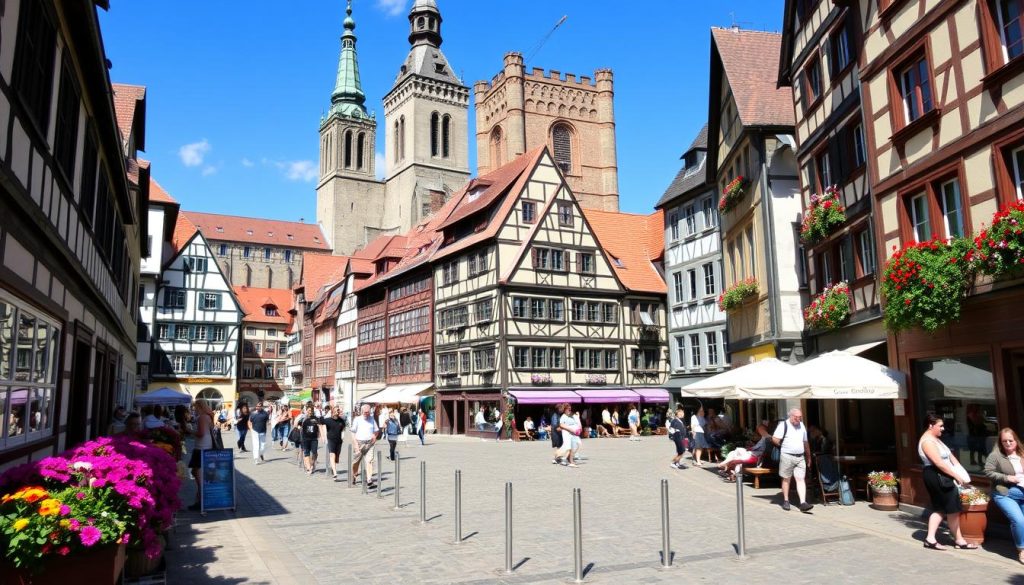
point(485, 414)
point(962, 391)
point(28, 372)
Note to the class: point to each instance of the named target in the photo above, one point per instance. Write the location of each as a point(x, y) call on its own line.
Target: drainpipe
point(771, 263)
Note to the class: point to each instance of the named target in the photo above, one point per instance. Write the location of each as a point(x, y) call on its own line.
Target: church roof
point(251, 230)
point(427, 61)
point(744, 55)
point(634, 244)
point(348, 98)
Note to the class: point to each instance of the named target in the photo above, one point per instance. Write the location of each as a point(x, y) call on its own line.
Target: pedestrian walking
point(310, 424)
point(364, 431)
point(421, 426)
point(570, 436)
point(242, 425)
point(282, 426)
point(556, 433)
point(334, 426)
point(1005, 469)
point(634, 423)
point(392, 429)
point(794, 457)
point(697, 422)
point(677, 432)
point(497, 428)
point(258, 422)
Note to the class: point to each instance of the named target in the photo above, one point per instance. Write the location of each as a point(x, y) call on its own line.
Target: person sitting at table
point(740, 456)
point(543, 430)
point(528, 426)
point(820, 443)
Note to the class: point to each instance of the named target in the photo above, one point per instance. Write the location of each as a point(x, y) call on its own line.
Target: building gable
point(182, 272)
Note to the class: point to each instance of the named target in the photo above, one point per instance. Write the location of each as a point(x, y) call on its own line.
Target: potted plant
point(540, 380)
point(999, 250)
point(825, 213)
point(734, 296)
point(596, 379)
point(830, 309)
point(974, 514)
point(924, 284)
point(733, 194)
point(884, 485)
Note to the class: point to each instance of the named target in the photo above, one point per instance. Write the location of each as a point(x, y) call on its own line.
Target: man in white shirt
point(364, 432)
point(794, 457)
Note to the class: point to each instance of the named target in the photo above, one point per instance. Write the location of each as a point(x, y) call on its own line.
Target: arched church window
point(420, 23)
point(446, 125)
point(496, 147)
point(360, 149)
point(348, 149)
point(401, 137)
point(561, 144)
point(397, 140)
point(435, 120)
point(430, 22)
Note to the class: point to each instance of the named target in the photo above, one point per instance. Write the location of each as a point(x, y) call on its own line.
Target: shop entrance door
point(1015, 388)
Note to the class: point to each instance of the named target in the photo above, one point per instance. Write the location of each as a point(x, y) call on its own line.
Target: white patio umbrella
point(767, 378)
point(163, 396)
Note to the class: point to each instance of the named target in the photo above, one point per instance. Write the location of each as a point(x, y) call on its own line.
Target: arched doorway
point(213, 397)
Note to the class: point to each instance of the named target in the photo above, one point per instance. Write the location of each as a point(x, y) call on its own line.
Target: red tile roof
point(747, 57)
point(157, 194)
point(254, 301)
point(319, 270)
point(631, 247)
point(235, 228)
point(126, 99)
point(183, 232)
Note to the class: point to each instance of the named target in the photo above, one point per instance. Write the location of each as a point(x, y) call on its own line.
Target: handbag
point(215, 438)
point(945, 482)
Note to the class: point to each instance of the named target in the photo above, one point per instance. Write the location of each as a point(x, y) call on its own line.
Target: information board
point(218, 467)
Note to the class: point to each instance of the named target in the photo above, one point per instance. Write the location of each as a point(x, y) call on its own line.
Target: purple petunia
point(90, 535)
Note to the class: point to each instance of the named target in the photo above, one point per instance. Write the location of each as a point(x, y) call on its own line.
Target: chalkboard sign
point(218, 467)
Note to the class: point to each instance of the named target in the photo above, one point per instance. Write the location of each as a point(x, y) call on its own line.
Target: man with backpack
point(794, 457)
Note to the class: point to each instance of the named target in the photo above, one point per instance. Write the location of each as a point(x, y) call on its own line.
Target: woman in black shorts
point(556, 433)
point(334, 426)
point(310, 437)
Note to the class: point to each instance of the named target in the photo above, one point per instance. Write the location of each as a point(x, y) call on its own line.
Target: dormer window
point(248, 232)
point(220, 229)
point(270, 234)
point(291, 237)
point(270, 311)
point(439, 67)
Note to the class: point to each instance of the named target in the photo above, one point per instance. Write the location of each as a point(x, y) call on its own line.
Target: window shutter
point(579, 262)
point(533, 256)
point(566, 256)
point(836, 162)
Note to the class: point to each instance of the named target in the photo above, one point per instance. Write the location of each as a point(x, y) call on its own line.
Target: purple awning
point(652, 394)
point(544, 396)
point(597, 396)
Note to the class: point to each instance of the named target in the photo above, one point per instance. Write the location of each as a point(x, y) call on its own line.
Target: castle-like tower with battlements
point(517, 111)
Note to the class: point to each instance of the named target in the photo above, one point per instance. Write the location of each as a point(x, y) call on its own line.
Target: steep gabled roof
point(319, 270)
point(129, 104)
point(157, 194)
point(748, 58)
point(688, 179)
point(633, 244)
point(252, 230)
point(255, 300)
point(184, 229)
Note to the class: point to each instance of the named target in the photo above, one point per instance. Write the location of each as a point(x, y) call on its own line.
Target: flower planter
point(884, 499)
point(98, 567)
point(137, 564)
point(973, 522)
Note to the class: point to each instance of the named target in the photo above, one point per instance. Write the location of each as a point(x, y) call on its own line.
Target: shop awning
point(399, 393)
point(599, 395)
point(525, 396)
point(652, 394)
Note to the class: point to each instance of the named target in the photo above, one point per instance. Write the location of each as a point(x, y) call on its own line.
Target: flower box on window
point(924, 284)
point(597, 380)
point(830, 309)
point(999, 250)
point(734, 296)
point(825, 213)
point(540, 380)
point(733, 193)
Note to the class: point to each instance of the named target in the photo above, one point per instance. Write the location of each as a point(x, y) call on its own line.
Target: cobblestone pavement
point(294, 528)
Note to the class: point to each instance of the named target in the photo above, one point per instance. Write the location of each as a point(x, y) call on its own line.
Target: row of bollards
point(578, 567)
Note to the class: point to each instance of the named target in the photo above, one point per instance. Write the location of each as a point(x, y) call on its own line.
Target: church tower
point(426, 115)
point(349, 198)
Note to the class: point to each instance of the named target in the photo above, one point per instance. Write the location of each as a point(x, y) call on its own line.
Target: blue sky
point(236, 89)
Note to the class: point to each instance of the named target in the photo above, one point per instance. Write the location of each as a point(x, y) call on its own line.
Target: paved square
point(295, 528)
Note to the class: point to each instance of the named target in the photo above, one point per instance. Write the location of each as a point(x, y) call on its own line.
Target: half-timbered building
point(346, 337)
point(943, 91)
point(320, 272)
point(530, 307)
point(72, 233)
point(196, 323)
point(693, 270)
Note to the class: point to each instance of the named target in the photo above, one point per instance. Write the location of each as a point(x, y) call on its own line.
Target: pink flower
point(63, 551)
point(64, 510)
point(90, 535)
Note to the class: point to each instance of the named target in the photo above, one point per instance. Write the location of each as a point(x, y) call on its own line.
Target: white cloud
point(209, 170)
point(192, 155)
point(391, 7)
point(300, 170)
point(379, 165)
point(247, 163)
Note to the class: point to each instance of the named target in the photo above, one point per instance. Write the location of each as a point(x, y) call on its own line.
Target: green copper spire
point(347, 98)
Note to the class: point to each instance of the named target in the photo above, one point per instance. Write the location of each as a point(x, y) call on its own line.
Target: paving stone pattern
point(291, 528)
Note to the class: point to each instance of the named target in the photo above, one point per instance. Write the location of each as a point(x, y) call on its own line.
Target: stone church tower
point(427, 126)
point(518, 111)
point(349, 198)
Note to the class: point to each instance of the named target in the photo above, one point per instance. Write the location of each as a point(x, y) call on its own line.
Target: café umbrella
point(163, 396)
point(767, 378)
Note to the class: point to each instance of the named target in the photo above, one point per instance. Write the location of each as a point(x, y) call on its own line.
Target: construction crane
point(540, 43)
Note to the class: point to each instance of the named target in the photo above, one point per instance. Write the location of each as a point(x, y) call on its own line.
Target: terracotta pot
point(98, 567)
point(973, 522)
point(884, 499)
point(138, 564)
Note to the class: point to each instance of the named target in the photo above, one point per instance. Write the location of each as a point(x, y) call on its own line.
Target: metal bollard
point(577, 536)
point(423, 492)
point(379, 476)
point(362, 474)
point(508, 526)
point(398, 480)
point(348, 469)
point(741, 536)
point(666, 546)
point(458, 506)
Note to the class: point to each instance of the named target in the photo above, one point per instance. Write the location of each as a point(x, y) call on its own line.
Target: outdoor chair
point(828, 477)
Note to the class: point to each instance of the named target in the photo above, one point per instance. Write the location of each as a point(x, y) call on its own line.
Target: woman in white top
point(697, 423)
point(634, 423)
point(204, 440)
point(941, 473)
point(1005, 467)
